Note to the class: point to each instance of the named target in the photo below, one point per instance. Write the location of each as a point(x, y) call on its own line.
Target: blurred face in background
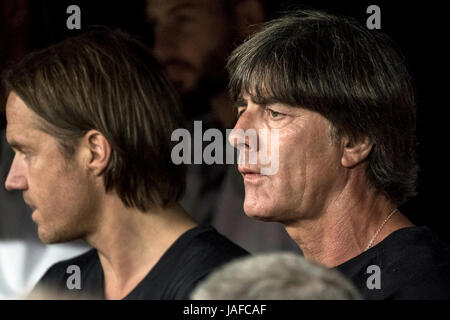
point(192, 39)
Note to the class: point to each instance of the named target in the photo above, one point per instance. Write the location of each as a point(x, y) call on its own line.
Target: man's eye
point(274, 114)
point(183, 18)
point(25, 154)
point(240, 111)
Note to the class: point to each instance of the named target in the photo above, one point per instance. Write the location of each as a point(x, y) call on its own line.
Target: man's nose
point(16, 179)
point(244, 133)
point(164, 44)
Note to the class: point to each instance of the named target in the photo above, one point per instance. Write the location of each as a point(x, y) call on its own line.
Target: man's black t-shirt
point(189, 259)
point(413, 264)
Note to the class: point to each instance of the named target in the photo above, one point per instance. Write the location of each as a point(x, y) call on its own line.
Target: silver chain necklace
point(379, 229)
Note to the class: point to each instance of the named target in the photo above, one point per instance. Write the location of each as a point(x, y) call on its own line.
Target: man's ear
point(99, 151)
point(248, 14)
point(355, 152)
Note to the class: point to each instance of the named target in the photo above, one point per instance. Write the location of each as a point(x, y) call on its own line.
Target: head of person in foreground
point(274, 276)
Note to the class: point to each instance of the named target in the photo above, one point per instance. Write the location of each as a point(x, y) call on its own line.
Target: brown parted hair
point(108, 81)
point(355, 77)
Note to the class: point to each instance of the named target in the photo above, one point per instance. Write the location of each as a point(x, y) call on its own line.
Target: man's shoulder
point(192, 257)
point(413, 247)
point(423, 266)
point(207, 243)
point(412, 263)
point(416, 248)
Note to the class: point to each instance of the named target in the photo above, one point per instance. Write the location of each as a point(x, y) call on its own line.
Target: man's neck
point(130, 242)
point(343, 230)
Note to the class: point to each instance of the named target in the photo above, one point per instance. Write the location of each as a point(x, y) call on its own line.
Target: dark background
point(420, 29)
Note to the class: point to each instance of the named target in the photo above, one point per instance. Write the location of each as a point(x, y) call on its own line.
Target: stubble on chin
point(58, 235)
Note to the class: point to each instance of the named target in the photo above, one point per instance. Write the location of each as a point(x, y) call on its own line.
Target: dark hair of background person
point(107, 81)
point(352, 76)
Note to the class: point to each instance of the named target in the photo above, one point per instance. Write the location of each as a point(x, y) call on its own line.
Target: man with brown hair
point(90, 120)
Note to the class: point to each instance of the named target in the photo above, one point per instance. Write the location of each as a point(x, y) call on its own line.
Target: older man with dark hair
point(342, 101)
point(90, 120)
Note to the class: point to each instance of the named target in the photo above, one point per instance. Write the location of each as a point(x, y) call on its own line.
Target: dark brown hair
point(108, 81)
point(354, 77)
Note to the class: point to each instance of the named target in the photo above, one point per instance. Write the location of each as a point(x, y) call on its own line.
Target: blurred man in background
point(192, 40)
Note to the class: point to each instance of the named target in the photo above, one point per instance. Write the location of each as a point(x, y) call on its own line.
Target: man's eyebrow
point(240, 102)
point(264, 101)
point(16, 145)
point(187, 5)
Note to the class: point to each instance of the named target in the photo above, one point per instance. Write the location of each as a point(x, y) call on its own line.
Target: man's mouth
point(251, 175)
point(174, 68)
point(33, 207)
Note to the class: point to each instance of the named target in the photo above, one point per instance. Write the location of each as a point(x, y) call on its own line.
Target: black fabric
point(414, 264)
point(190, 258)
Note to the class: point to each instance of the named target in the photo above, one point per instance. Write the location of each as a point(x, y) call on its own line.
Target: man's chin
point(53, 238)
point(259, 213)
